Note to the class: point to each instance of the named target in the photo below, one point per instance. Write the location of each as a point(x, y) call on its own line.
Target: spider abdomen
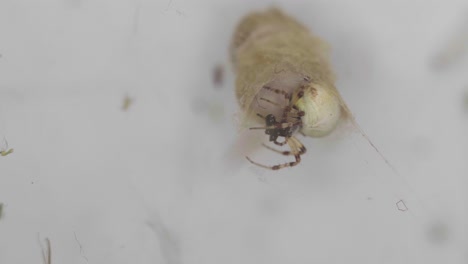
point(322, 111)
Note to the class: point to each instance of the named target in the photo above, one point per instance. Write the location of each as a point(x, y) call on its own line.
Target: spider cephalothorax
point(276, 129)
point(289, 123)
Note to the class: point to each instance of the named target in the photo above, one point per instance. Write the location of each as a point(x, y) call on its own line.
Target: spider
point(286, 127)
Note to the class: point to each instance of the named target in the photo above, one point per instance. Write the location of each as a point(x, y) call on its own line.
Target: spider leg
point(268, 127)
point(269, 101)
point(301, 151)
point(280, 143)
point(258, 103)
point(279, 125)
point(294, 151)
point(299, 94)
point(298, 145)
point(261, 165)
point(286, 95)
point(299, 112)
point(277, 167)
point(288, 111)
point(286, 108)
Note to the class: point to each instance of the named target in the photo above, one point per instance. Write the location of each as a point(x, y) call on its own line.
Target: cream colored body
point(272, 49)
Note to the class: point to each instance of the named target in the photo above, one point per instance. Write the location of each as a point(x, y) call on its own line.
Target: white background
point(159, 183)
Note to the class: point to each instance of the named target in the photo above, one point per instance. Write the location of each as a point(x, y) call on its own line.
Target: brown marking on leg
point(258, 103)
point(278, 91)
point(289, 164)
point(300, 92)
point(277, 167)
point(286, 153)
point(296, 149)
point(279, 125)
point(271, 102)
point(301, 149)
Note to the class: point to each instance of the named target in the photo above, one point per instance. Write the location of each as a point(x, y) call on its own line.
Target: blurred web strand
point(81, 248)
point(364, 135)
point(401, 200)
point(136, 16)
point(46, 252)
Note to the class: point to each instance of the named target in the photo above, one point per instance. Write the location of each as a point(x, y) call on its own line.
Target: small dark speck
point(218, 75)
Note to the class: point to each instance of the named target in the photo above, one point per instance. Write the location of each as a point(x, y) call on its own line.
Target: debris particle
point(455, 48)
point(438, 232)
point(218, 75)
point(401, 206)
point(7, 152)
point(1, 210)
point(4, 150)
point(127, 102)
point(180, 13)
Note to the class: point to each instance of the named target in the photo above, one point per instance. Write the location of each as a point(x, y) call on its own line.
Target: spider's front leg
point(298, 145)
point(286, 95)
point(280, 166)
point(297, 149)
